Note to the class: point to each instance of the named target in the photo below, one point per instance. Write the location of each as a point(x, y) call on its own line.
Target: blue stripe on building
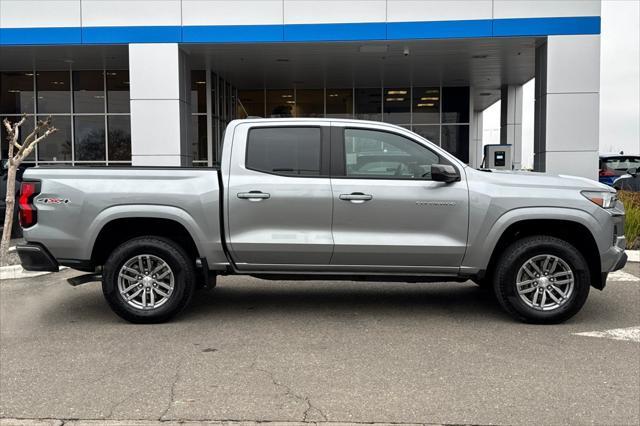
point(303, 32)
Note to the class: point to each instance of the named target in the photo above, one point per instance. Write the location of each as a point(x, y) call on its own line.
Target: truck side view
point(324, 199)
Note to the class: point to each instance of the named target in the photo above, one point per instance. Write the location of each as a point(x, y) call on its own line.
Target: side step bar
point(83, 279)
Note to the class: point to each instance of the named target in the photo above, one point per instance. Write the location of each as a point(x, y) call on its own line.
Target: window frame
point(325, 158)
point(339, 157)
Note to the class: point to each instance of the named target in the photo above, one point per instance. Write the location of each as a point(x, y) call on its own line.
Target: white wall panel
point(105, 13)
point(572, 122)
point(438, 10)
point(334, 11)
point(573, 64)
point(157, 121)
point(545, 8)
point(238, 12)
point(39, 13)
point(584, 163)
point(154, 71)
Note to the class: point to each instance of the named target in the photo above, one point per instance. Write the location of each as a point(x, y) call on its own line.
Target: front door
point(388, 213)
point(279, 196)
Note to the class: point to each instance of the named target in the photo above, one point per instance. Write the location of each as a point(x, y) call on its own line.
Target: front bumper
point(615, 258)
point(35, 257)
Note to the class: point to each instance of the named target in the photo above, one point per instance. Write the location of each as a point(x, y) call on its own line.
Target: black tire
point(516, 255)
point(173, 255)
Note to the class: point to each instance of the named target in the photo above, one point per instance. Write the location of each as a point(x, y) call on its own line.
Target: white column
point(511, 121)
point(567, 105)
point(159, 78)
point(475, 150)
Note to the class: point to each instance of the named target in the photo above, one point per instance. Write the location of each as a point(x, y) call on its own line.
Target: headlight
point(605, 199)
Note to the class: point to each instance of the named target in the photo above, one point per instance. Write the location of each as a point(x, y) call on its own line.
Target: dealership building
point(154, 82)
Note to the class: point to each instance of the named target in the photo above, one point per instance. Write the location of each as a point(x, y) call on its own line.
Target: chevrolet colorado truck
point(323, 199)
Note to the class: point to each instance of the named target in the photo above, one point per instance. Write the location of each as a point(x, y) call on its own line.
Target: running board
point(83, 279)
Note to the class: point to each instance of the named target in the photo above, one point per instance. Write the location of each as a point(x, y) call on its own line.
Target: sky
point(619, 86)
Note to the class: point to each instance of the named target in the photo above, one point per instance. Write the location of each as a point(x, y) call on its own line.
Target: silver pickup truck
point(323, 199)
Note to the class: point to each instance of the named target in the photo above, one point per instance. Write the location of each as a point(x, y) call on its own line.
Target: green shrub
point(631, 202)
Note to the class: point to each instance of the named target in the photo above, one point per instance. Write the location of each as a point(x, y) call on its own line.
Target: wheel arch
point(573, 226)
point(115, 228)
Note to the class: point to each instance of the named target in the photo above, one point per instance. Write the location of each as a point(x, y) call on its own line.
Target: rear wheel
point(541, 279)
point(148, 280)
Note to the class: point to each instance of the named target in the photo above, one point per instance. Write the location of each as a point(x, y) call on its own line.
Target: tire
point(517, 269)
point(176, 280)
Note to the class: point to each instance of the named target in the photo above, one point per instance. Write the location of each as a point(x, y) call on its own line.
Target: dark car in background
point(612, 166)
point(17, 231)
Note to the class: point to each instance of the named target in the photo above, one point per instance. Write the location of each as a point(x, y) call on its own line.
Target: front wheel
point(542, 280)
point(148, 280)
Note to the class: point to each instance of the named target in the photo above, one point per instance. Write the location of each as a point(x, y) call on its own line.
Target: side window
point(292, 151)
point(376, 154)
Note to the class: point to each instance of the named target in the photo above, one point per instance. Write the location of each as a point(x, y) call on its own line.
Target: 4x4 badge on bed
point(52, 200)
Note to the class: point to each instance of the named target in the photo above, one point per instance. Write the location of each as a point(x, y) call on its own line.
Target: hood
point(537, 180)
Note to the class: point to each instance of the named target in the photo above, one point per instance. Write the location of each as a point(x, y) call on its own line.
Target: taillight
point(606, 172)
point(27, 213)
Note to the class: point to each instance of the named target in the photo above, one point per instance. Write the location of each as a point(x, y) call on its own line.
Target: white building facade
point(154, 82)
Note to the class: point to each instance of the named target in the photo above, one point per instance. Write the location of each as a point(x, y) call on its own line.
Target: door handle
point(356, 197)
point(253, 195)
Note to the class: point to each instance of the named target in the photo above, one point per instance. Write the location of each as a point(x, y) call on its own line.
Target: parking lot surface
point(319, 351)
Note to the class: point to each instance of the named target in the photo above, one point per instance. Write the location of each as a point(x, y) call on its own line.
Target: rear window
point(285, 150)
point(622, 163)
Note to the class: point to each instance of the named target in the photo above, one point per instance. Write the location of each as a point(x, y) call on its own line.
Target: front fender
point(484, 243)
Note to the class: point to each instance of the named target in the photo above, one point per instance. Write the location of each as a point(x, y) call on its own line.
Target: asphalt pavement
point(253, 350)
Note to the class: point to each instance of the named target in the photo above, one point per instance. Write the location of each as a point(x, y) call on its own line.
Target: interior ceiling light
point(395, 99)
point(430, 98)
point(396, 92)
point(287, 96)
point(201, 82)
point(333, 95)
point(425, 105)
point(432, 91)
point(291, 102)
point(28, 74)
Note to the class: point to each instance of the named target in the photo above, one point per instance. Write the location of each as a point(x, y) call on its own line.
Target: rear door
point(388, 213)
point(279, 196)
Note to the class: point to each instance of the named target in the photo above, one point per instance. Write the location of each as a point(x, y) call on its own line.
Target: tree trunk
point(8, 215)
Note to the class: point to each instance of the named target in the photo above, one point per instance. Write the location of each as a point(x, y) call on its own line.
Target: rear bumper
point(35, 257)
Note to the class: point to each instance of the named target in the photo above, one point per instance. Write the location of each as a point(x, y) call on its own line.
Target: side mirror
point(444, 173)
point(633, 171)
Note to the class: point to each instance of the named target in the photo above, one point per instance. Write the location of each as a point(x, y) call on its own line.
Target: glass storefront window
point(431, 133)
point(280, 103)
point(309, 103)
point(251, 103)
point(119, 128)
point(455, 139)
point(25, 129)
point(397, 106)
point(16, 92)
point(340, 103)
point(57, 147)
point(89, 138)
point(455, 105)
point(198, 91)
point(88, 91)
point(369, 104)
point(54, 94)
point(199, 137)
point(426, 105)
point(118, 91)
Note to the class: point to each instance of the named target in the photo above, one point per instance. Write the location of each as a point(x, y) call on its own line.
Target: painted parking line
point(631, 334)
point(622, 276)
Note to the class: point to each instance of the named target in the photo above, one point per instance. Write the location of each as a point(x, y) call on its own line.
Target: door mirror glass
point(444, 173)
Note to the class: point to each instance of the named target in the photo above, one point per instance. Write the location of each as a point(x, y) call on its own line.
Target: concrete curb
point(15, 272)
point(634, 255)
